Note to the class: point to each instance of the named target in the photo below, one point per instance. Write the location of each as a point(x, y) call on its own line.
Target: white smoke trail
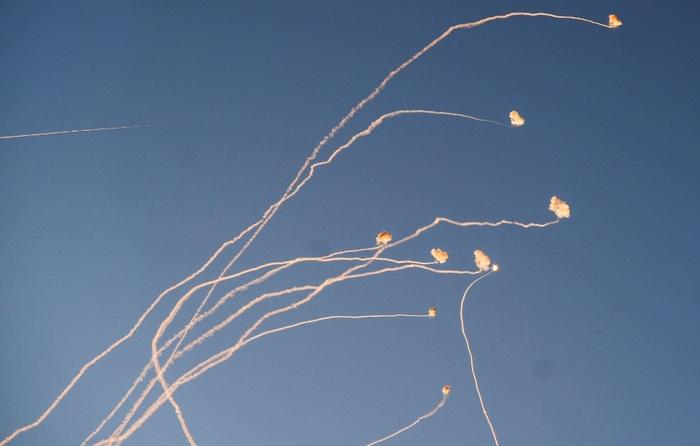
point(154, 342)
point(159, 370)
point(180, 335)
point(118, 342)
point(226, 354)
point(413, 264)
point(404, 266)
point(332, 318)
point(417, 420)
point(288, 195)
point(285, 264)
point(415, 234)
point(222, 356)
point(98, 129)
point(471, 358)
point(270, 212)
point(291, 193)
point(277, 330)
point(273, 208)
point(407, 264)
point(382, 85)
point(352, 113)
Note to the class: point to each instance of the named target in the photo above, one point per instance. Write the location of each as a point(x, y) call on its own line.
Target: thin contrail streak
point(332, 318)
point(98, 129)
point(415, 422)
point(471, 358)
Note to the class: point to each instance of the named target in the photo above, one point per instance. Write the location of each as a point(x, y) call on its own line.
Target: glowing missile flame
point(446, 389)
point(432, 312)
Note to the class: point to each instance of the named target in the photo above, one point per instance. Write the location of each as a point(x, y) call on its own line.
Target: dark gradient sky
point(588, 336)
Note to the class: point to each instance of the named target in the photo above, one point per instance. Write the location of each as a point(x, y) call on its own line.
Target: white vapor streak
point(258, 226)
point(270, 212)
point(416, 421)
point(288, 195)
point(471, 358)
point(226, 354)
point(99, 129)
point(406, 265)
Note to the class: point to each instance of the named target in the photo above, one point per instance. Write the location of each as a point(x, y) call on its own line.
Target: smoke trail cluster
point(358, 263)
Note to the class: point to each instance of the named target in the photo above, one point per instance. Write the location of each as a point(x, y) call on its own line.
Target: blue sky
point(588, 335)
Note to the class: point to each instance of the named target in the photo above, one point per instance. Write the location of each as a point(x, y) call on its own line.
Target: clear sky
point(587, 336)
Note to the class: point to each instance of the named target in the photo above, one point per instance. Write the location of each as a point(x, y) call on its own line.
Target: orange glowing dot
point(432, 311)
point(446, 389)
point(559, 207)
point(516, 119)
point(482, 261)
point(439, 255)
point(614, 21)
point(383, 238)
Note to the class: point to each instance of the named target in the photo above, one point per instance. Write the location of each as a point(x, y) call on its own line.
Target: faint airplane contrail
point(99, 129)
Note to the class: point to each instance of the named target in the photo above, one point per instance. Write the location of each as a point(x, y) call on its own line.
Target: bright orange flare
point(482, 261)
point(446, 389)
point(516, 120)
point(559, 207)
point(432, 311)
point(383, 238)
point(614, 21)
point(439, 255)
